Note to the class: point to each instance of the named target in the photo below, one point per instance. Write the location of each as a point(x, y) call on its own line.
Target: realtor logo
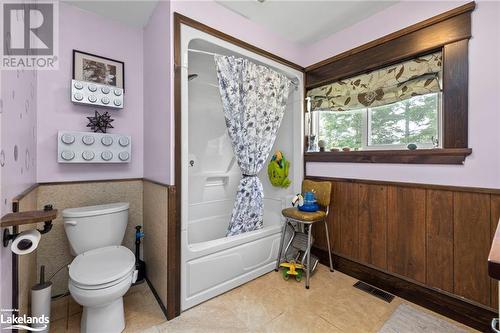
point(29, 35)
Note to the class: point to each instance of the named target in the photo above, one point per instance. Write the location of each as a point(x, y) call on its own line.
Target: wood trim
point(173, 254)
point(90, 181)
point(29, 217)
point(455, 94)
point(494, 256)
point(174, 227)
point(156, 182)
point(15, 270)
point(419, 156)
point(395, 35)
point(157, 297)
point(467, 313)
point(424, 41)
point(181, 19)
point(174, 195)
point(24, 193)
point(413, 185)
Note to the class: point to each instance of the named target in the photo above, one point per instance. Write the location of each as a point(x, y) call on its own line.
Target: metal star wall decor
point(100, 122)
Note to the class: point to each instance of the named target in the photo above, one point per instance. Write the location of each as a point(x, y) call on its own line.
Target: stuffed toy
point(277, 170)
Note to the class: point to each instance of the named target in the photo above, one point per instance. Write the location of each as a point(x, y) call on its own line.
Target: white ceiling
point(297, 21)
point(306, 21)
point(132, 13)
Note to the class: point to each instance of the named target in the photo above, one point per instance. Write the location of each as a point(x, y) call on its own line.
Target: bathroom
point(406, 231)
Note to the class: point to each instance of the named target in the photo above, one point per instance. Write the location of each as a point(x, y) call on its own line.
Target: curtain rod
point(293, 81)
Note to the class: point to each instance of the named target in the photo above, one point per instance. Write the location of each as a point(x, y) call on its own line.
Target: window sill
point(419, 156)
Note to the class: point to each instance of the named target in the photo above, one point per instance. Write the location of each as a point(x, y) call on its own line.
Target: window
point(379, 97)
point(394, 126)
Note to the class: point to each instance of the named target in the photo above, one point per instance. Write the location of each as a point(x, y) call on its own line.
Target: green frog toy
point(277, 170)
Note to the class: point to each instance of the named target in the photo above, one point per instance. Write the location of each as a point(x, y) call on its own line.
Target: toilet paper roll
point(26, 242)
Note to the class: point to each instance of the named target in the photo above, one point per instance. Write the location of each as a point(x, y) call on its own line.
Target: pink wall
point(158, 139)
point(18, 130)
point(82, 30)
point(482, 168)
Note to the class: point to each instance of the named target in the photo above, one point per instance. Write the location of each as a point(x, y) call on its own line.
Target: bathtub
point(216, 263)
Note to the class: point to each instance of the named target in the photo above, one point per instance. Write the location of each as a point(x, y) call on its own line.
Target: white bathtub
point(216, 263)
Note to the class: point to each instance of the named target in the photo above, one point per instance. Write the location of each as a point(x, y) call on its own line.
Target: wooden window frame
point(449, 32)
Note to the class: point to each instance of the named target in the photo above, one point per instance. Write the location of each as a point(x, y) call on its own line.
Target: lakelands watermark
point(24, 322)
point(30, 35)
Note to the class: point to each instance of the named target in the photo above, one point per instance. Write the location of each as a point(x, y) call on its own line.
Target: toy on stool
point(292, 269)
point(306, 203)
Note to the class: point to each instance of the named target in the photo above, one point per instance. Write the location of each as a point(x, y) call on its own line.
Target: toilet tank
point(92, 227)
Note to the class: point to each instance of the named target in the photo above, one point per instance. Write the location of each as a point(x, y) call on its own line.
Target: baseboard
point(464, 312)
point(158, 299)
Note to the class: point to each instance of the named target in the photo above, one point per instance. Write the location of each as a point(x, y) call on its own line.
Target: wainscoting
point(150, 205)
point(435, 236)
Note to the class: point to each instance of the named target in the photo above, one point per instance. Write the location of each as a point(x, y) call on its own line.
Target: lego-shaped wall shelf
point(89, 93)
point(88, 147)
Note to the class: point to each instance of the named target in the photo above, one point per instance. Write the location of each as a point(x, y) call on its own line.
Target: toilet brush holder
point(40, 303)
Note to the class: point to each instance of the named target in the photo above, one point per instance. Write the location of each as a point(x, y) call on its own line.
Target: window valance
point(391, 84)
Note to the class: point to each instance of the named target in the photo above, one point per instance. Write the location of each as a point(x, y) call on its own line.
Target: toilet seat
point(102, 268)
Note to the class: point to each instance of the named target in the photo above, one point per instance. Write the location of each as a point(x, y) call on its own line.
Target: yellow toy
point(292, 269)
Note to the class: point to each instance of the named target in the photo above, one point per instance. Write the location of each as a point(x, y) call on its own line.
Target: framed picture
point(93, 68)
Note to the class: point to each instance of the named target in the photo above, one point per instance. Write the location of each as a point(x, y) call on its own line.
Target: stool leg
point(282, 240)
point(308, 268)
point(329, 247)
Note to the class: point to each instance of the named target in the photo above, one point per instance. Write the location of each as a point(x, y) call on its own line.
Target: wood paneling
point(439, 223)
point(438, 236)
point(406, 232)
point(372, 224)
point(472, 245)
point(334, 217)
point(495, 216)
point(347, 214)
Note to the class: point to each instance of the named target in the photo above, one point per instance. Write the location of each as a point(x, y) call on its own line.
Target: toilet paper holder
point(16, 219)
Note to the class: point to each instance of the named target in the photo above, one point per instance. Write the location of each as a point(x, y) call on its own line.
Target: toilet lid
point(101, 265)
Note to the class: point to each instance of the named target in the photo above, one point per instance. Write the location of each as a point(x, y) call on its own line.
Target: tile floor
point(141, 312)
point(270, 304)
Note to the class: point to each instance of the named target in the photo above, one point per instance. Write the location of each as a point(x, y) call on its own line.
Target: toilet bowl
point(103, 270)
point(98, 280)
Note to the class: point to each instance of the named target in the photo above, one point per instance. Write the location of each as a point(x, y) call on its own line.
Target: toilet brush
point(140, 265)
point(40, 302)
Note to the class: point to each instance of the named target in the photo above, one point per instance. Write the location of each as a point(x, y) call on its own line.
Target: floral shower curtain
point(254, 99)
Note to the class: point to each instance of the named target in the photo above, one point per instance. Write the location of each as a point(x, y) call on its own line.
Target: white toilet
point(103, 270)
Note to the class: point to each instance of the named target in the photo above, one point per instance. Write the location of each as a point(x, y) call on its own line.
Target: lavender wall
point(91, 33)
point(18, 116)
point(158, 120)
point(482, 168)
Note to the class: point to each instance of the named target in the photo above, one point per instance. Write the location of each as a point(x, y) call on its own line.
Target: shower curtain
point(254, 99)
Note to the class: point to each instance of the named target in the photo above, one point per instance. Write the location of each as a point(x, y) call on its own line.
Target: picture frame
point(93, 68)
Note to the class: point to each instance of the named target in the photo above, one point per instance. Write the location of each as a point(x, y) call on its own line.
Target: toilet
point(103, 269)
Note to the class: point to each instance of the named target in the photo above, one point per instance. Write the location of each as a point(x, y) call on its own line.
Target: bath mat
point(407, 319)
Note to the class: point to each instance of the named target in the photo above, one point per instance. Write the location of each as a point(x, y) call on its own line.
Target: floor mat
point(408, 319)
